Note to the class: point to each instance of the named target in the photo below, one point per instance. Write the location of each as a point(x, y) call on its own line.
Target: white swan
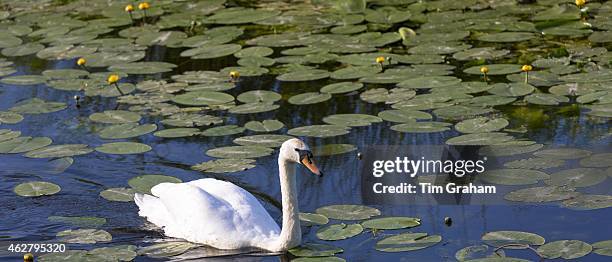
point(225, 216)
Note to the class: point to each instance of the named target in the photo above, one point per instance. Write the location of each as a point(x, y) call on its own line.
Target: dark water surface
point(25, 219)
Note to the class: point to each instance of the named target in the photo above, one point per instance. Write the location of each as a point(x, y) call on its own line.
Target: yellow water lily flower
point(144, 6)
point(81, 61)
point(28, 257)
point(380, 59)
point(526, 68)
point(580, 3)
point(129, 8)
point(234, 74)
point(112, 79)
point(484, 70)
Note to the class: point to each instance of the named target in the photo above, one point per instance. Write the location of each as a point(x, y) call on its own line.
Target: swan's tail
point(152, 208)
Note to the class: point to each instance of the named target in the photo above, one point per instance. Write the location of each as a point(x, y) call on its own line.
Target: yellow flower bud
point(380, 59)
point(580, 3)
point(112, 79)
point(129, 8)
point(234, 74)
point(28, 257)
point(484, 69)
point(143, 6)
point(81, 61)
point(526, 68)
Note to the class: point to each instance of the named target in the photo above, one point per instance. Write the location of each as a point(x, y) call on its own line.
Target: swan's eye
point(304, 154)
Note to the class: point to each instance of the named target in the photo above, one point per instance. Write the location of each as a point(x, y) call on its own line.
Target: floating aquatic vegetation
point(120, 194)
point(315, 250)
point(339, 231)
point(35, 189)
point(267, 140)
point(165, 249)
point(407, 242)
point(84, 236)
point(79, 221)
point(391, 223)
point(507, 238)
point(311, 219)
point(144, 183)
point(225, 165)
point(348, 212)
point(566, 249)
point(123, 148)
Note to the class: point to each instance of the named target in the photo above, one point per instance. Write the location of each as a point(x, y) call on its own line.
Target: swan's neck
point(291, 234)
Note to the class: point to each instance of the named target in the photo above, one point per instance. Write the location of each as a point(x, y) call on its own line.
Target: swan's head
point(295, 150)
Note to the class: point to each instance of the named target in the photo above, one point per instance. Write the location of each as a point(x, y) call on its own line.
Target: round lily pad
point(506, 37)
point(252, 108)
point(123, 148)
point(177, 132)
point(319, 131)
point(224, 165)
point(239, 152)
point(223, 130)
point(566, 249)
point(541, 194)
point(504, 149)
point(479, 139)
point(35, 189)
point(141, 68)
point(119, 194)
point(535, 163)
point(339, 231)
point(473, 252)
point(211, 51)
point(481, 125)
point(115, 253)
point(203, 98)
point(563, 153)
point(55, 151)
point(268, 140)
point(310, 219)
point(597, 160)
point(315, 250)
point(495, 69)
point(115, 117)
point(588, 202)
point(37, 106)
point(500, 238)
point(403, 116)
point(341, 88)
point(78, 221)
point(603, 248)
point(166, 249)
point(333, 149)
point(351, 120)
point(262, 96)
point(511, 89)
point(421, 127)
point(268, 125)
point(391, 223)
point(303, 75)
point(546, 99)
point(513, 176)
point(309, 98)
point(348, 212)
point(126, 130)
point(84, 236)
point(407, 242)
point(355, 72)
point(144, 183)
point(23, 144)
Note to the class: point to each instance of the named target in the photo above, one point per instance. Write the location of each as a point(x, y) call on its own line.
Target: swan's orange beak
point(310, 164)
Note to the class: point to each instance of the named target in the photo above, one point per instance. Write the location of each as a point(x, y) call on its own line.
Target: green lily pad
point(341, 88)
point(479, 139)
point(319, 131)
point(351, 120)
point(339, 231)
point(311, 219)
point(566, 249)
point(603, 248)
point(460, 111)
point(268, 140)
point(224, 165)
point(37, 106)
point(126, 130)
point(403, 116)
point(144, 183)
point(23, 144)
point(22, 50)
point(211, 51)
point(268, 125)
point(481, 125)
point(348, 212)
point(333, 149)
point(254, 51)
point(541, 194)
point(35, 189)
point(407, 242)
point(59, 165)
point(55, 151)
point(428, 82)
point(84, 236)
point(382, 95)
point(239, 152)
point(546, 99)
point(495, 69)
point(501, 238)
point(65, 73)
point(142, 68)
point(309, 98)
point(535, 163)
point(577, 177)
point(240, 16)
point(391, 223)
point(315, 250)
point(252, 108)
point(203, 98)
point(513, 176)
point(123, 148)
point(223, 130)
point(115, 117)
point(303, 75)
point(597, 160)
point(473, 252)
point(563, 153)
point(355, 72)
point(115, 253)
point(119, 194)
point(165, 249)
point(191, 120)
point(588, 202)
point(506, 37)
point(421, 127)
point(78, 221)
point(256, 96)
point(505, 149)
point(511, 89)
point(177, 132)
point(480, 53)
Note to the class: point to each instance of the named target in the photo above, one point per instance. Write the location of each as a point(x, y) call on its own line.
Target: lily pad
point(166, 249)
point(407, 242)
point(597, 160)
point(339, 231)
point(495, 69)
point(262, 96)
point(391, 223)
point(177, 132)
point(78, 221)
point(224, 165)
point(203, 98)
point(211, 51)
point(563, 153)
point(37, 106)
point(603, 248)
point(23, 144)
point(479, 139)
point(403, 116)
point(144, 183)
point(141, 68)
point(541, 194)
point(566, 249)
point(252, 108)
point(421, 127)
point(223, 130)
point(351, 120)
point(115, 117)
point(123, 148)
point(315, 250)
point(333, 149)
point(119, 194)
point(239, 152)
point(268, 140)
point(55, 151)
point(126, 130)
point(341, 88)
point(535, 163)
point(311, 219)
point(303, 75)
point(481, 125)
point(268, 125)
point(588, 202)
point(501, 238)
point(348, 212)
point(309, 98)
point(84, 236)
point(513, 176)
point(319, 131)
point(115, 253)
point(35, 189)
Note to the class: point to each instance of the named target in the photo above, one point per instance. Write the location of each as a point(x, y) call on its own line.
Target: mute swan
point(225, 216)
